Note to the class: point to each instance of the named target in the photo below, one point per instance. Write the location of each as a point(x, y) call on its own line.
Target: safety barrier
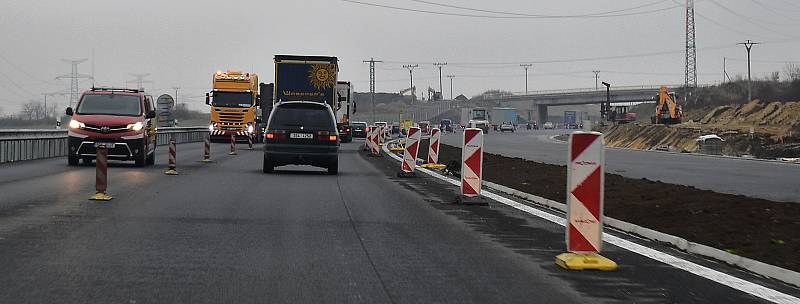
point(20, 145)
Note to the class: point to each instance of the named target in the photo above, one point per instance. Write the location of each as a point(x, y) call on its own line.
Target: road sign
point(411, 149)
point(165, 105)
point(472, 162)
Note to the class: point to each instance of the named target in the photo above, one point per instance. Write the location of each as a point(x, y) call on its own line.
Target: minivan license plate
point(301, 135)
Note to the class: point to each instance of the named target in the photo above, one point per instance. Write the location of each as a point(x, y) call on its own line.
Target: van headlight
point(136, 126)
point(74, 124)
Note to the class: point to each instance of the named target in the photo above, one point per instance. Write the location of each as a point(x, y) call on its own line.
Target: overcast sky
point(181, 43)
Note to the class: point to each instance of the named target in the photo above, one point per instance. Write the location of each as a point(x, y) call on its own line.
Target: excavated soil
point(755, 228)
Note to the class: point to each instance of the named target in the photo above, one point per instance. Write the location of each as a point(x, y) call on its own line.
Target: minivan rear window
point(307, 116)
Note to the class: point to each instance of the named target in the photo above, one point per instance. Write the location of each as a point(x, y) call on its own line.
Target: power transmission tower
point(749, 45)
point(440, 65)
point(596, 79)
point(372, 62)
point(139, 80)
point(451, 85)
point(526, 66)
point(74, 76)
point(410, 68)
point(691, 54)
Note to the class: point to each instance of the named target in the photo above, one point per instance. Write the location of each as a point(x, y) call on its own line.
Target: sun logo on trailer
point(322, 76)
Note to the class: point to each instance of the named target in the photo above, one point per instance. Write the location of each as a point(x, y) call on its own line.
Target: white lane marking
point(699, 270)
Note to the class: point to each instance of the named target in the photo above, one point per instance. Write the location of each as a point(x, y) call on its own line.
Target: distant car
point(507, 126)
point(345, 132)
point(359, 129)
point(395, 129)
point(548, 125)
point(446, 125)
point(301, 133)
point(425, 126)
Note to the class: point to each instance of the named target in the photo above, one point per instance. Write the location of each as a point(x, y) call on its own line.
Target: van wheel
point(151, 159)
point(72, 160)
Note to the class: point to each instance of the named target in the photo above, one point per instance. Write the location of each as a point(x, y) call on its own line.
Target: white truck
point(475, 118)
point(345, 107)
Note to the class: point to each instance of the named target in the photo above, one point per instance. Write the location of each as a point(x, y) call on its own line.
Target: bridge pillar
point(542, 113)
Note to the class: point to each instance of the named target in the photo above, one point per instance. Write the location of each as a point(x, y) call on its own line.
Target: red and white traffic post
point(375, 142)
point(101, 172)
point(410, 153)
point(173, 163)
point(367, 141)
point(472, 168)
point(207, 149)
point(249, 142)
point(432, 161)
point(233, 145)
point(585, 192)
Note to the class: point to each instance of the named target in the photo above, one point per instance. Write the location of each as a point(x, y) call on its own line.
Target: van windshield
point(110, 104)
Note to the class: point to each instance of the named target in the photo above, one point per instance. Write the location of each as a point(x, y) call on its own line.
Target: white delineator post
point(433, 149)
point(472, 162)
point(585, 191)
point(410, 152)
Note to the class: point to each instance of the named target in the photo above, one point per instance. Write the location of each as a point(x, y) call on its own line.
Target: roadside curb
point(754, 266)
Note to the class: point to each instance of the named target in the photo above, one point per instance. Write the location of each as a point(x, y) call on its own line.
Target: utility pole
point(691, 55)
point(596, 79)
point(410, 68)
point(749, 45)
point(140, 80)
point(440, 65)
point(74, 76)
point(451, 85)
point(176, 94)
point(372, 62)
point(606, 107)
point(526, 66)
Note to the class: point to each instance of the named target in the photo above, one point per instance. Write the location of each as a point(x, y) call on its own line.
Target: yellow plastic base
point(232, 153)
point(171, 172)
point(397, 149)
point(585, 261)
point(207, 161)
point(100, 196)
point(433, 166)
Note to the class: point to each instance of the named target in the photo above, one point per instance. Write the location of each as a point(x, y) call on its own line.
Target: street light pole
point(451, 85)
point(526, 66)
point(596, 79)
point(410, 68)
point(607, 106)
point(440, 65)
point(749, 45)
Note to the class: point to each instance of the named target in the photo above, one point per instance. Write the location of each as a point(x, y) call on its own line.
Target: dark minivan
point(301, 133)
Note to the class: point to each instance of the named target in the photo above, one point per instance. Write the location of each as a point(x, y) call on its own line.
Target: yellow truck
point(234, 100)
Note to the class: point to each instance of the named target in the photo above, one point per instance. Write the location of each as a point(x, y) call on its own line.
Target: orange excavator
point(668, 111)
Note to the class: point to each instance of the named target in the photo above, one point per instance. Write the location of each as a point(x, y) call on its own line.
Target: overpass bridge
point(533, 106)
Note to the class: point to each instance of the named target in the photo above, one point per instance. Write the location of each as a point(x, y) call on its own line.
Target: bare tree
point(792, 71)
point(29, 110)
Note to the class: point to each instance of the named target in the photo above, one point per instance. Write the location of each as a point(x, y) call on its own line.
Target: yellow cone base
point(232, 153)
point(585, 261)
point(171, 172)
point(100, 196)
point(207, 160)
point(433, 166)
point(397, 149)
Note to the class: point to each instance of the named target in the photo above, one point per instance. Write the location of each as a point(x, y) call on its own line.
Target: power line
point(500, 17)
point(541, 15)
point(749, 19)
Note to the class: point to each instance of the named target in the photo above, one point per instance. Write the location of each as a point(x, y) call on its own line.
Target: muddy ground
point(755, 228)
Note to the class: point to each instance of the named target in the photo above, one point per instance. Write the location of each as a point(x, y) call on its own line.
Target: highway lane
point(768, 180)
point(225, 232)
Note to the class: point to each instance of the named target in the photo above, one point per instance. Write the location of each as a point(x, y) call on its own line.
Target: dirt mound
point(773, 118)
point(646, 137)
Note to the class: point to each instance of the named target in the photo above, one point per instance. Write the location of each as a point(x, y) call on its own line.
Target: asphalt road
point(768, 180)
point(226, 233)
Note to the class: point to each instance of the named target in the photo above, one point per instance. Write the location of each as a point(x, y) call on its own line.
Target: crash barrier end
point(585, 261)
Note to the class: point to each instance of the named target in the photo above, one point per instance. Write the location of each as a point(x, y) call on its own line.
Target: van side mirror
point(69, 111)
point(151, 114)
point(208, 99)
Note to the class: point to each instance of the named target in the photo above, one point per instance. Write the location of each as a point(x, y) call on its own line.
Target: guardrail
point(19, 145)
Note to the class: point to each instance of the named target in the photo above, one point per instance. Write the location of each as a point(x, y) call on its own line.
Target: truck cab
point(122, 118)
point(233, 101)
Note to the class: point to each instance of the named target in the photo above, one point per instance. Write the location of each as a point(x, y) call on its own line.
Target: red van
point(124, 117)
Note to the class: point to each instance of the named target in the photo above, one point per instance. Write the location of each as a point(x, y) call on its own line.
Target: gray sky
point(181, 43)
